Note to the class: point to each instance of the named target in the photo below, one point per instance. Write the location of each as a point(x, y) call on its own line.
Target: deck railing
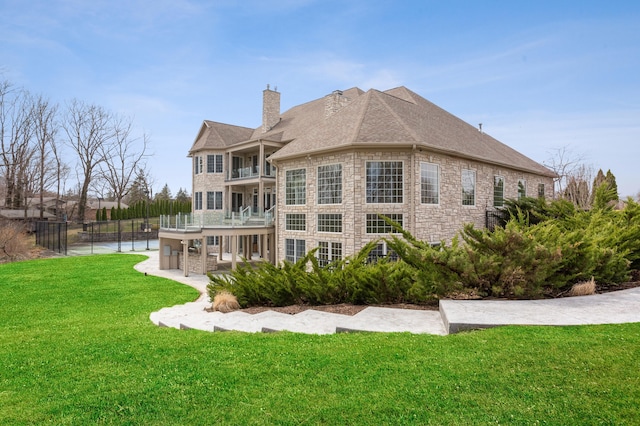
point(199, 220)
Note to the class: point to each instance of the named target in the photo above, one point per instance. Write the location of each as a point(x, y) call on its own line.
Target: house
point(319, 175)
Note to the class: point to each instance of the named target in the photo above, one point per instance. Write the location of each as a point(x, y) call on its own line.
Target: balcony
point(251, 172)
point(194, 222)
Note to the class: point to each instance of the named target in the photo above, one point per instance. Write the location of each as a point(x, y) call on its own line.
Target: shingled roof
point(394, 118)
point(400, 117)
point(214, 135)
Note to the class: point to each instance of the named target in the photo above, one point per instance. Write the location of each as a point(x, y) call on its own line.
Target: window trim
point(422, 184)
point(501, 203)
point(337, 217)
point(319, 197)
point(294, 201)
point(289, 220)
point(462, 179)
point(381, 225)
point(522, 194)
point(397, 186)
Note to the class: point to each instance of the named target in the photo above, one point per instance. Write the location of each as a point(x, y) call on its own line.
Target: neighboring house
point(319, 174)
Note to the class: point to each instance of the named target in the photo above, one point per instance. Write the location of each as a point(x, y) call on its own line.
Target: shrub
point(14, 244)
point(350, 280)
point(225, 302)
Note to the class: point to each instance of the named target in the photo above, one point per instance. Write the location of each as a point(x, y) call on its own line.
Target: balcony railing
point(197, 221)
point(251, 172)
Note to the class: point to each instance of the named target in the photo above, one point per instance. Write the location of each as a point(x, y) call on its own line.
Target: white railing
point(199, 220)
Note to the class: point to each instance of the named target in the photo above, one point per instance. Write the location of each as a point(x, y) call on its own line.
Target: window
point(522, 188)
point(541, 190)
point(498, 191)
point(379, 251)
point(330, 222)
point(376, 225)
point(330, 184)
point(329, 252)
point(295, 222)
point(197, 165)
point(468, 187)
point(213, 241)
point(214, 163)
point(430, 183)
point(294, 249)
point(197, 200)
point(384, 181)
point(295, 187)
point(214, 200)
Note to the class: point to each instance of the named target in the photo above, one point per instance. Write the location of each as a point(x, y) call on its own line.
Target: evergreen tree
point(612, 185)
point(182, 196)
point(164, 194)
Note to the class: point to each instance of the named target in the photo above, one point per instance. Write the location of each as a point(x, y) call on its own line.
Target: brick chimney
point(270, 108)
point(334, 102)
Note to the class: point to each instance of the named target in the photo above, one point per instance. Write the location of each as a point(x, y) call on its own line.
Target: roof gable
point(214, 135)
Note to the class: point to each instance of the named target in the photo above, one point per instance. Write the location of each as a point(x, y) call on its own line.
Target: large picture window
point(296, 187)
point(429, 183)
point(330, 184)
point(468, 187)
point(294, 249)
point(498, 191)
point(330, 222)
point(214, 200)
point(377, 225)
point(295, 222)
point(384, 182)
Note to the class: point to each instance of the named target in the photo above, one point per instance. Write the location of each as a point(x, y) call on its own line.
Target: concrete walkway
point(453, 316)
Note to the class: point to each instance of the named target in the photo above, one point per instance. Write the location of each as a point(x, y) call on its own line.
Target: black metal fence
point(52, 235)
point(495, 218)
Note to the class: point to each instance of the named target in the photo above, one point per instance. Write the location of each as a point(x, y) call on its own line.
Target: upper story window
point(330, 222)
point(429, 183)
point(214, 163)
point(384, 182)
point(197, 165)
point(295, 222)
point(296, 187)
point(330, 184)
point(522, 188)
point(468, 187)
point(197, 200)
point(498, 191)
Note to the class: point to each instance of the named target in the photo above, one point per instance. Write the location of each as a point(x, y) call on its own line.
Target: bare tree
point(16, 148)
point(48, 172)
point(564, 163)
point(88, 131)
point(124, 156)
point(574, 177)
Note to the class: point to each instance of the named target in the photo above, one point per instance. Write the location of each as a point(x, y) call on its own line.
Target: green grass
point(77, 347)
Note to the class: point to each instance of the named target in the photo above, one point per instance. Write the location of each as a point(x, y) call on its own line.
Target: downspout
point(412, 192)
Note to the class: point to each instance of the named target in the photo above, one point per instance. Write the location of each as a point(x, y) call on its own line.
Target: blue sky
point(539, 75)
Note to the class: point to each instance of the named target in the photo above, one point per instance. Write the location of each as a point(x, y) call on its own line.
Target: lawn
point(77, 347)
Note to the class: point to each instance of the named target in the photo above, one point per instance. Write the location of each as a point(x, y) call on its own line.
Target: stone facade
point(429, 222)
